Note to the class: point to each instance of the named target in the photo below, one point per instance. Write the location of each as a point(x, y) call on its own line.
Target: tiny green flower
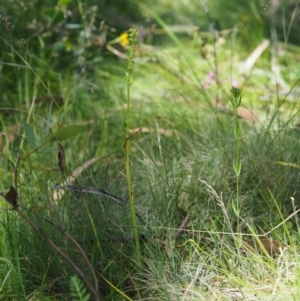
point(236, 92)
point(132, 37)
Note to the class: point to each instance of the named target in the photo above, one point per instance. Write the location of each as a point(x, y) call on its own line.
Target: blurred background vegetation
point(72, 35)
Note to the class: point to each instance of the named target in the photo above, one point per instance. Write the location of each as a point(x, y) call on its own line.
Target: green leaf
point(30, 136)
point(69, 132)
point(49, 115)
point(59, 46)
point(239, 102)
point(35, 208)
point(64, 2)
point(47, 149)
point(237, 131)
point(78, 290)
point(237, 166)
point(234, 208)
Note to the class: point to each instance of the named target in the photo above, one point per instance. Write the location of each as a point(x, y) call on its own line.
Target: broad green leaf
point(30, 136)
point(64, 2)
point(69, 132)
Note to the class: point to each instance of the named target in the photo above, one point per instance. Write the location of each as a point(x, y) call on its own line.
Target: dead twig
point(92, 190)
point(248, 64)
point(182, 227)
point(178, 233)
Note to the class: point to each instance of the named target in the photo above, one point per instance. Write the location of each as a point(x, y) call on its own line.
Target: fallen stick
point(92, 190)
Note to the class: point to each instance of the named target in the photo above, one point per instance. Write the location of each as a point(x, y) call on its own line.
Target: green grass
point(181, 163)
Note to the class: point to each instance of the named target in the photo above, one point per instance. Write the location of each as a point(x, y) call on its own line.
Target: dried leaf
point(244, 113)
point(8, 135)
point(269, 245)
point(151, 162)
point(166, 132)
point(57, 99)
point(61, 158)
point(36, 208)
point(11, 197)
point(247, 114)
